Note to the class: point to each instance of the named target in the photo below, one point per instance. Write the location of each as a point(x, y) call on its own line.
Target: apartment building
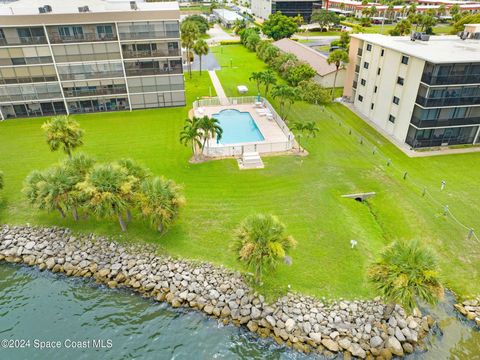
point(78, 56)
point(423, 91)
point(264, 8)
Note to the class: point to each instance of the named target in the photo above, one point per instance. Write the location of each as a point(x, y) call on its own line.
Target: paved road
point(208, 63)
point(217, 34)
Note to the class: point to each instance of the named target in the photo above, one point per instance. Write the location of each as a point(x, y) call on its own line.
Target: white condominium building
point(76, 56)
point(424, 91)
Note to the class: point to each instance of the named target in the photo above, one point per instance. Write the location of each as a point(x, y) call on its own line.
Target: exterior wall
point(391, 67)
point(350, 75)
point(327, 80)
point(261, 8)
point(135, 65)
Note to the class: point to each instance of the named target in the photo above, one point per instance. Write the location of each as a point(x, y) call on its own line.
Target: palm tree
point(209, 128)
point(200, 49)
point(62, 131)
point(140, 173)
point(406, 273)
point(260, 242)
point(191, 135)
point(268, 78)
point(108, 190)
point(31, 187)
point(257, 76)
point(308, 129)
point(286, 96)
point(189, 34)
point(339, 58)
point(160, 201)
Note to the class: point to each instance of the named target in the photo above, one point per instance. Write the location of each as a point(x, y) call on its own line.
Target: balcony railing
point(355, 84)
point(27, 97)
point(421, 123)
point(88, 57)
point(152, 71)
point(442, 141)
point(448, 101)
point(92, 75)
point(56, 38)
point(149, 35)
point(27, 79)
point(74, 109)
point(451, 79)
point(23, 40)
point(357, 68)
point(127, 54)
point(80, 93)
point(359, 52)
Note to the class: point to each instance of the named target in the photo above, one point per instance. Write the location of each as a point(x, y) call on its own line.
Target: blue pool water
point(238, 127)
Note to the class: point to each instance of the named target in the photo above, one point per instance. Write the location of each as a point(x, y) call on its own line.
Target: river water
point(41, 308)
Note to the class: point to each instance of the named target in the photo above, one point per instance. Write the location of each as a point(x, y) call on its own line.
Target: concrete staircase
point(250, 160)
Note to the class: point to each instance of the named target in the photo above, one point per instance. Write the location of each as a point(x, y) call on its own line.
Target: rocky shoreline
point(360, 329)
point(470, 309)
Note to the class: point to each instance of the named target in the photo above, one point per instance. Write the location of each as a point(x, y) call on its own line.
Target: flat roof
point(30, 7)
point(228, 15)
point(304, 53)
point(439, 49)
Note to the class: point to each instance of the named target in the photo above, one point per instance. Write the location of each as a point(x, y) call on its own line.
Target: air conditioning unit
point(47, 8)
point(41, 10)
point(133, 5)
point(83, 9)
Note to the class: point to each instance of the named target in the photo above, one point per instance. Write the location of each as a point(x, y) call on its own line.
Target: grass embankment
point(305, 192)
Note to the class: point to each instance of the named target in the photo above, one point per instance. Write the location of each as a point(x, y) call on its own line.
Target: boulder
point(289, 325)
point(330, 345)
point(357, 351)
point(394, 345)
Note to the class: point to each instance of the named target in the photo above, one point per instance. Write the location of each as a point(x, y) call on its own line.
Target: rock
point(394, 345)
point(368, 328)
point(208, 309)
point(412, 324)
point(407, 347)
point(357, 351)
point(289, 325)
point(103, 273)
point(29, 245)
point(399, 335)
point(255, 313)
point(334, 335)
point(316, 337)
point(330, 345)
point(50, 263)
point(376, 341)
point(252, 326)
point(344, 343)
point(271, 320)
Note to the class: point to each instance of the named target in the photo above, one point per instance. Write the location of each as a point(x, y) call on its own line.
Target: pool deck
point(269, 128)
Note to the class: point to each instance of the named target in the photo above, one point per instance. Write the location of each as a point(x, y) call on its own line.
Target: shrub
point(200, 21)
point(313, 93)
point(230, 42)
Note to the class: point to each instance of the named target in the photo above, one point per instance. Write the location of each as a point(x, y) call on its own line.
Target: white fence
point(238, 150)
point(215, 101)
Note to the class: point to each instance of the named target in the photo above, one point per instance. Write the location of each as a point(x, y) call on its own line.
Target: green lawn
point(305, 192)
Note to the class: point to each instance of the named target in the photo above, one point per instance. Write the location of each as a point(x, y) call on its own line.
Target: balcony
point(355, 84)
point(23, 40)
point(92, 75)
point(27, 79)
point(150, 35)
point(444, 122)
point(448, 101)
point(29, 97)
point(360, 52)
point(104, 91)
point(56, 38)
point(133, 71)
point(451, 79)
point(128, 54)
point(357, 68)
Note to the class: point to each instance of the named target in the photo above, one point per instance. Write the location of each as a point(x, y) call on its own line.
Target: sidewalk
point(218, 87)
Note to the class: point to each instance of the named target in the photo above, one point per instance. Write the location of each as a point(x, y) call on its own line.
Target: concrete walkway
point(218, 87)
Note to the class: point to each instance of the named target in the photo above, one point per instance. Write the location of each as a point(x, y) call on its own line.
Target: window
point(391, 118)
point(369, 47)
point(396, 100)
point(400, 80)
point(378, 71)
point(382, 52)
point(360, 98)
point(375, 90)
point(405, 60)
point(365, 65)
point(363, 82)
point(371, 106)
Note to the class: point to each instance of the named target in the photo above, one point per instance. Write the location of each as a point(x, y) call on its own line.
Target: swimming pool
point(238, 127)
